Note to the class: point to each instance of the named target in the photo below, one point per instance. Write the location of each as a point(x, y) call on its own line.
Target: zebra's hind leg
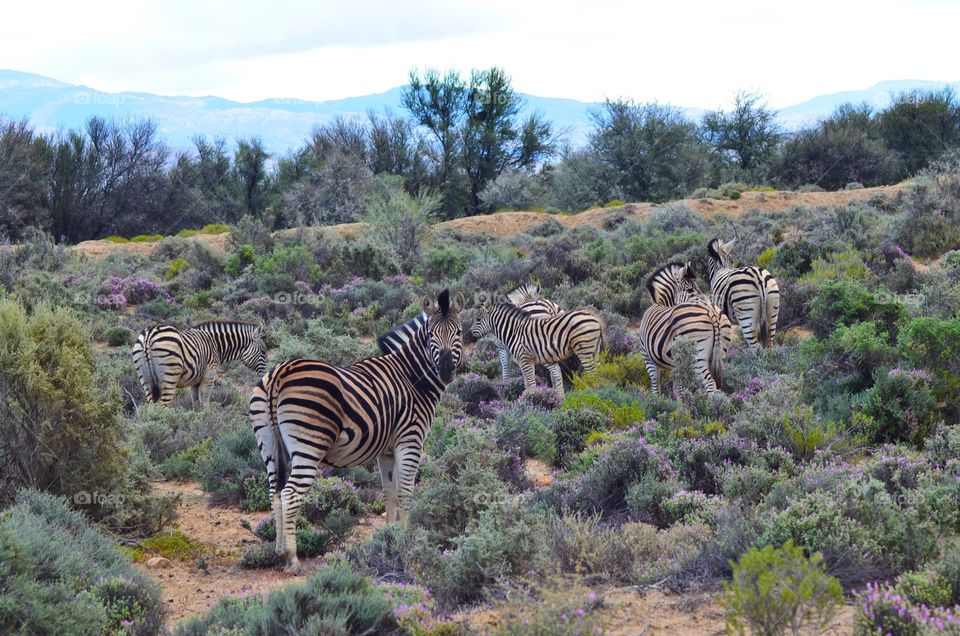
point(386, 464)
point(556, 379)
point(290, 499)
point(194, 396)
point(654, 372)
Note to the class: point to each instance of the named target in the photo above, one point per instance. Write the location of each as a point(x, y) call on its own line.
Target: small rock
point(159, 562)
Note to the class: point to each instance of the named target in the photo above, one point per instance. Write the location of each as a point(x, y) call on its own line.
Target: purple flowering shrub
point(883, 609)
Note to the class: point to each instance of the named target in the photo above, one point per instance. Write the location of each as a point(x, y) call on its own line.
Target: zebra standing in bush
point(681, 309)
point(168, 358)
point(533, 341)
point(527, 299)
point(748, 295)
point(308, 412)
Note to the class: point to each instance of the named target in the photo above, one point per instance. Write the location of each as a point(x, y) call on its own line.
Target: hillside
point(503, 224)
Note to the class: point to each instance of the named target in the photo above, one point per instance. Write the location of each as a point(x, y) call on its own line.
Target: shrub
point(843, 304)
point(146, 238)
point(336, 600)
point(570, 429)
point(473, 390)
point(63, 576)
point(118, 336)
point(382, 553)
point(61, 430)
point(603, 489)
point(780, 590)
point(560, 608)
point(621, 410)
point(311, 541)
point(116, 239)
point(620, 371)
point(233, 473)
point(901, 407)
point(527, 430)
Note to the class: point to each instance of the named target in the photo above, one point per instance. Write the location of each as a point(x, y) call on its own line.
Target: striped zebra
point(534, 341)
point(681, 309)
point(527, 299)
point(749, 296)
point(168, 358)
point(308, 412)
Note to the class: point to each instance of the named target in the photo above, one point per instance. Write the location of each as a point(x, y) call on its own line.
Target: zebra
point(168, 358)
point(749, 296)
point(534, 341)
point(681, 309)
point(527, 299)
point(307, 412)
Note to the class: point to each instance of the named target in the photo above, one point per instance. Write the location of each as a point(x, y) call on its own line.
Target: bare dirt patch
point(187, 590)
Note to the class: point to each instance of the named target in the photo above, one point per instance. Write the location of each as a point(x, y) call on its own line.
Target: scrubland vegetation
point(827, 472)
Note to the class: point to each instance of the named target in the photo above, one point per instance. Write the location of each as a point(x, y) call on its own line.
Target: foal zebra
point(534, 341)
point(527, 299)
point(168, 358)
point(308, 412)
point(748, 295)
point(681, 309)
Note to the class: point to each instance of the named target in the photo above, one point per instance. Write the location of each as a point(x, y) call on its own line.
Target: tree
point(24, 174)
point(652, 151)
point(843, 148)
point(477, 132)
point(438, 103)
point(746, 137)
point(402, 221)
point(920, 126)
point(250, 168)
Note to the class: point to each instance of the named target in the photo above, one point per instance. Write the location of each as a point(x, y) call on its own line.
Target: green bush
point(233, 472)
point(146, 238)
point(118, 336)
point(61, 430)
point(336, 600)
point(526, 429)
point(844, 304)
point(901, 407)
point(570, 430)
point(779, 590)
point(63, 576)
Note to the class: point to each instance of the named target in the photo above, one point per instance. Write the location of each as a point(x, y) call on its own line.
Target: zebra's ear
point(728, 245)
point(458, 302)
point(429, 305)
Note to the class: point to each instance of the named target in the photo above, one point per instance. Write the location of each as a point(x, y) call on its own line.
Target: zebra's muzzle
point(446, 367)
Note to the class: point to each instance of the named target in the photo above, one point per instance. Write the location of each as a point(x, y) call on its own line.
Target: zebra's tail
point(717, 353)
point(764, 320)
point(263, 418)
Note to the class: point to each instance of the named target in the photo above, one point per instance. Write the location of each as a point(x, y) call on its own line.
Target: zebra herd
point(306, 412)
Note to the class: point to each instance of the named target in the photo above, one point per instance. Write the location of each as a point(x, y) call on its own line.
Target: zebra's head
point(673, 283)
point(254, 355)
point(445, 333)
point(482, 322)
point(720, 252)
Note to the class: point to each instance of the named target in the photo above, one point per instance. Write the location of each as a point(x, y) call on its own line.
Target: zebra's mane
point(211, 323)
point(658, 272)
point(399, 336)
point(524, 294)
point(712, 249)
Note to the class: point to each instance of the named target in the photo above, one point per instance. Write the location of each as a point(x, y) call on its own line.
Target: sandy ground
point(187, 590)
point(503, 224)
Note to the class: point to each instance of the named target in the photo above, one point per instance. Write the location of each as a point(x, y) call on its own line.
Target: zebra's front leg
point(504, 356)
point(528, 370)
point(408, 458)
point(386, 464)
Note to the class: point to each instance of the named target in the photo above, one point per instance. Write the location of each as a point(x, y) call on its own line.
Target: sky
point(687, 53)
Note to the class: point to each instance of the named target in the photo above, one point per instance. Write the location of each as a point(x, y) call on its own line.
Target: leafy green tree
point(24, 173)
point(920, 126)
point(652, 151)
point(250, 168)
point(744, 138)
point(845, 147)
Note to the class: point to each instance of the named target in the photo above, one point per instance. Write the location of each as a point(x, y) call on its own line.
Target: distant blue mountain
point(878, 96)
point(285, 124)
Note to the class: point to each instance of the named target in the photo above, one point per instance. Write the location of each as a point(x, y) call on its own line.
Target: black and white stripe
point(532, 341)
point(168, 358)
point(528, 300)
point(749, 296)
point(308, 412)
point(681, 309)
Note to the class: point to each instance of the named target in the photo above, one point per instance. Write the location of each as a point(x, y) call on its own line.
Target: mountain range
point(285, 124)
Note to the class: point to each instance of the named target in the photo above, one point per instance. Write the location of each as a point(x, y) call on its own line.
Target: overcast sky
point(695, 53)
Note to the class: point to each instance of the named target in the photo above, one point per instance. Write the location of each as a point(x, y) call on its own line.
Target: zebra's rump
point(348, 415)
point(661, 325)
